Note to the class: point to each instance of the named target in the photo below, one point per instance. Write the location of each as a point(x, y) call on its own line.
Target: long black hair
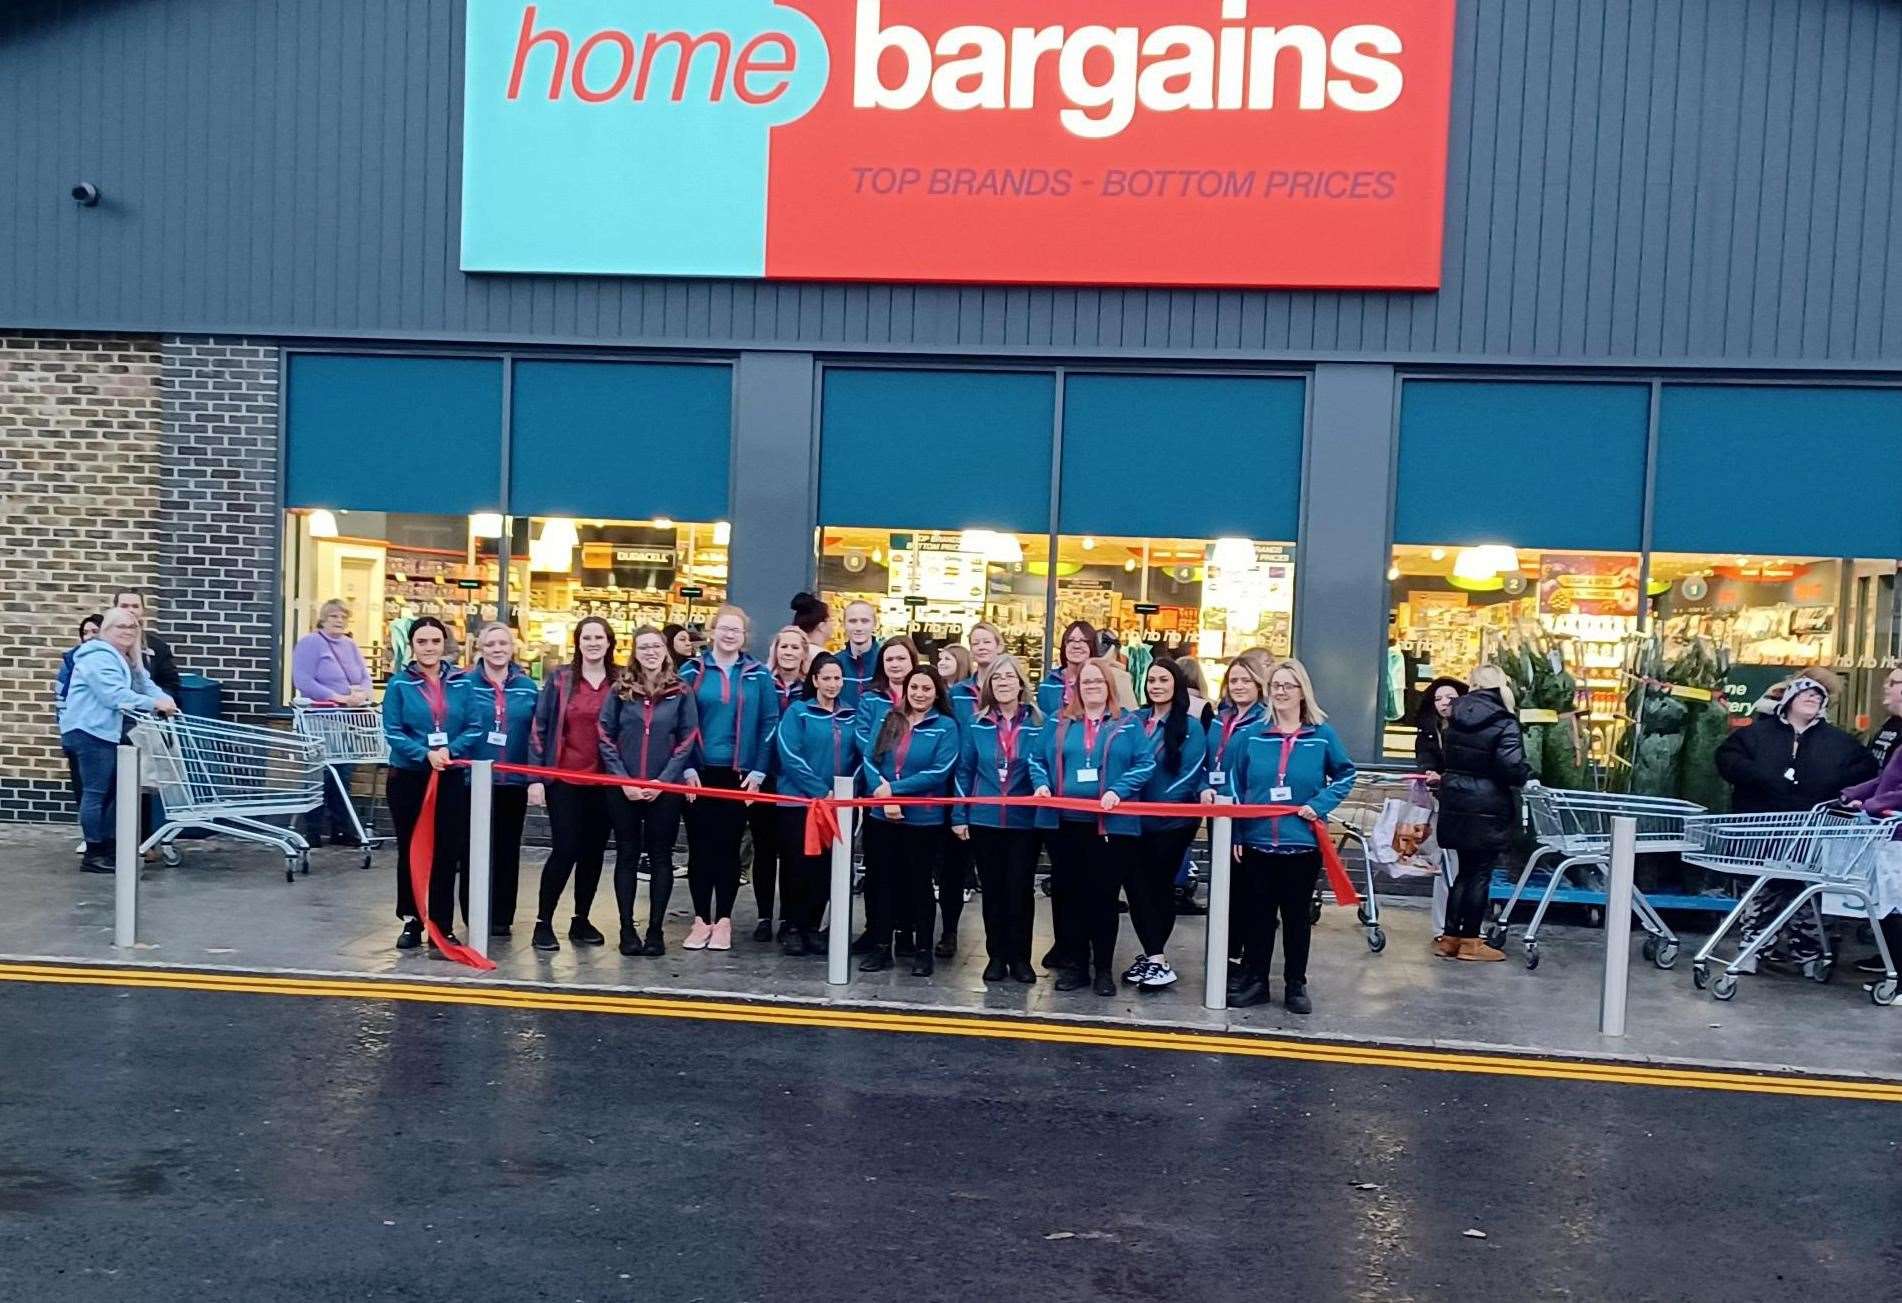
point(809, 686)
point(608, 662)
point(1176, 731)
point(808, 613)
point(671, 632)
point(898, 720)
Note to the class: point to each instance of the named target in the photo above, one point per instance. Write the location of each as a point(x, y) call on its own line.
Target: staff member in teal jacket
point(738, 707)
point(505, 698)
point(430, 719)
point(816, 742)
point(648, 725)
point(915, 753)
point(1179, 742)
point(1095, 752)
point(995, 761)
point(859, 660)
point(1295, 759)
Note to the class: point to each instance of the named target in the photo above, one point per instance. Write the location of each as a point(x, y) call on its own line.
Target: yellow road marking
point(833, 1017)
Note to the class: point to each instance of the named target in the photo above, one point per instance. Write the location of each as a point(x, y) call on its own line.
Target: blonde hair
point(334, 604)
point(746, 621)
point(985, 626)
point(1311, 712)
point(1192, 671)
point(987, 700)
point(1494, 678)
point(772, 649)
point(1073, 708)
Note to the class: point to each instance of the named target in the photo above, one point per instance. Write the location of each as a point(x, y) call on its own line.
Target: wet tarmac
point(173, 1145)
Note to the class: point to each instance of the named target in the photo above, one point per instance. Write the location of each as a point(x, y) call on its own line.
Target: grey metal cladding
point(1698, 182)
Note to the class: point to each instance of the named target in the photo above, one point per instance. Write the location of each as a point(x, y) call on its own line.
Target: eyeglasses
point(1284, 687)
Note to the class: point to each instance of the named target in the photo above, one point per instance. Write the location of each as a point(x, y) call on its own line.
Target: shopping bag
point(1888, 882)
point(1403, 835)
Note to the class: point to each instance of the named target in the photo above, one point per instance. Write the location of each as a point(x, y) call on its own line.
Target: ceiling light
point(1130, 564)
point(323, 523)
point(485, 524)
point(1089, 544)
point(1475, 564)
point(1393, 573)
point(560, 532)
point(661, 522)
point(1438, 554)
point(1233, 553)
point(722, 533)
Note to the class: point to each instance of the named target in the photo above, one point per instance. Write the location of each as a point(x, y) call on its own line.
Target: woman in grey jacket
point(647, 728)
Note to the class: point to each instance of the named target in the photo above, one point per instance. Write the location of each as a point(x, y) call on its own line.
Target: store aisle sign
point(1289, 143)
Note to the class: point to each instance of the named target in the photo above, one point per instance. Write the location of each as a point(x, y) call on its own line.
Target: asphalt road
point(161, 1145)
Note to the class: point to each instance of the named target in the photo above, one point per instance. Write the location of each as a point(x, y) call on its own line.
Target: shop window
point(1207, 598)
point(1562, 624)
point(389, 569)
point(936, 584)
point(629, 573)
point(1764, 616)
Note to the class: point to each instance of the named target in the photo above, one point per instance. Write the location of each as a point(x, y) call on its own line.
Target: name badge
point(1086, 775)
point(1281, 793)
point(438, 740)
point(1217, 778)
point(1003, 777)
point(498, 739)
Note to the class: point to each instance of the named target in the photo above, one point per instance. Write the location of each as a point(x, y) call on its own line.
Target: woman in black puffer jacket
point(1485, 764)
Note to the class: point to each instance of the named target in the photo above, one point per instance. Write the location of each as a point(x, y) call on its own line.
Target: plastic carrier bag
point(1403, 839)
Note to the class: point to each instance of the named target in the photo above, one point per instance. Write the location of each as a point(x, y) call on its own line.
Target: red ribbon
point(422, 858)
point(822, 821)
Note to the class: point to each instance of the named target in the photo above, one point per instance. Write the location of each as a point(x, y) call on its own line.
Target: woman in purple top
point(326, 666)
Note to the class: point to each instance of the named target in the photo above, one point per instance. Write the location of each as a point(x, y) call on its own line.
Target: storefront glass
point(936, 584)
point(1560, 623)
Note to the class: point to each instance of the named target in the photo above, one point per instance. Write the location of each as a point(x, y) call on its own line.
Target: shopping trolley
point(348, 735)
point(1825, 849)
point(1576, 827)
point(1357, 814)
point(230, 779)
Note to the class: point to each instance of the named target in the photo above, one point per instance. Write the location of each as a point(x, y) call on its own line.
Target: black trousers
point(805, 880)
point(1466, 902)
point(449, 869)
point(508, 810)
point(900, 862)
point(1152, 885)
point(954, 872)
point(1276, 887)
point(1090, 868)
point(1007, 873)
point(762, 820)
point(644, 828)
point(579, 823)
point(714, 828)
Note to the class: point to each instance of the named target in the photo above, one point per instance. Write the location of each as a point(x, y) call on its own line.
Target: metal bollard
point(839, 939)
point(1624, 858)
point(1221, 882)
point(125, 864)
point(481, 834)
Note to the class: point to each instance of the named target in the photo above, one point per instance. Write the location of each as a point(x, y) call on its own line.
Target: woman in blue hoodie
point(1178, 740)
point(816, 742)
point(647, 731)
point(1293, 759)
point(429, 720)
point(914, 753)
point(738, 707)
point(1096, 752)
point(505, 699)
point(106, 680)
point(999, 740)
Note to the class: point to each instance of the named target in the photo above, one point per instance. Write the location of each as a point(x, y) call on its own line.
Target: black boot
point(656, 944)
point(793, 942)
point(763, 930)
point(630, 940)
point(996, 971)
point(1024, 973)
point(906, 945)
point(99, 858)
point(877, 960)
point(544, 938)
point(1253, 991)
point(863, 944)
point(582, 932)
point(1296, 997)
point(948, 944)
point(411, 936)
point(922, 965)
point(1073, 979)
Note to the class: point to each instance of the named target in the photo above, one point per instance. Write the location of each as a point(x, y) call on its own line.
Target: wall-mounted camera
point(86, 195)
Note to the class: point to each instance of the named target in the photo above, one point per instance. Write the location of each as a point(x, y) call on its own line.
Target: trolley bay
point(334, 1148)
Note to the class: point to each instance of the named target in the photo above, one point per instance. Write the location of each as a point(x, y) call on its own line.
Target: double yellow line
point(846, 1018)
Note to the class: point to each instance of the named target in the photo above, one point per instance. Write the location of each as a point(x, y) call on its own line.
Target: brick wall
point(218, 511)
point(79, 515)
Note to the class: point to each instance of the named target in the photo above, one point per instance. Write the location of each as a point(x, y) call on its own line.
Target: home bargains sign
point(1296, 143)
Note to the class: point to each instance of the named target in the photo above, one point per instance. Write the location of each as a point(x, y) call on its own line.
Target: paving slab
point(227, 905)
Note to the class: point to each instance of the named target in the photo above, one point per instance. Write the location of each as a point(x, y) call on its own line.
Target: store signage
point(468, 583)
point(691, 593)
point(1147, 608)
point(1586, 584)
point(1290, 143)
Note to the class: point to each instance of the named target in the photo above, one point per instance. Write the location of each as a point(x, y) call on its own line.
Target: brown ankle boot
point(1477, 951)
point(1446, 947)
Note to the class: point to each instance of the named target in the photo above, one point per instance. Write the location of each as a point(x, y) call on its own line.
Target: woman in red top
point(568, 736)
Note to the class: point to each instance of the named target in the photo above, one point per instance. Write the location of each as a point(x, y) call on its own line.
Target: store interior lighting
point(485, 524)
point(722, 533)
point(1233, 553)
point(662, 522)
point(1089, 544)
point(323, 523)
point(550, 557)
point(1001, 549)
point(559, 531)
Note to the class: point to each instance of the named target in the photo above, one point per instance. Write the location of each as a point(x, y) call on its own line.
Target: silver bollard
point(125, 864)
point(481, 834)
point(1624, 858)
point(1221, 883)
point(839, 939)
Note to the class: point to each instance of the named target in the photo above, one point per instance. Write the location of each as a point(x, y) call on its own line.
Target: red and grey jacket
point(649, 736)
point(738, 708)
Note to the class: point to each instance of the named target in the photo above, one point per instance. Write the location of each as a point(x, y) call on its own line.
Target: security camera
point(86, 195)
